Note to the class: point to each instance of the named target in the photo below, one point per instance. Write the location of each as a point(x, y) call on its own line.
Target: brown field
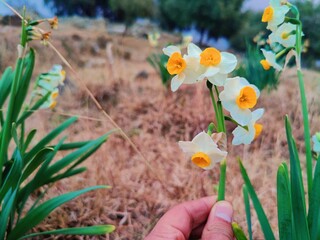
point(145, 185)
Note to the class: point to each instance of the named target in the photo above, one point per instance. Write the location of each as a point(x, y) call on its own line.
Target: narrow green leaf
point(24, 83)
point(12, 179)
point(238, 232)
point(92, 230)
point(297, 189)
point(38, 214)
point(5, 211)
point(265, 225)
point(66, 174)
point(247, 208)
point(81, 153)
point(314, 207)
point(284, 203)
point(222, 180)
point(30, 136)
point(46, 140)
point(5, 85)
point(28, 112)
point(34, 163)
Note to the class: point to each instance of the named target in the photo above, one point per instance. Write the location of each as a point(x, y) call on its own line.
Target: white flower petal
point(194, 50)
point(257, 114)
point(189, 148)
point(241, 136)
point(228, 63)
point(177, 81)
point(204, 142)
point(170, 50)
point(218, 79)
point(242, 116)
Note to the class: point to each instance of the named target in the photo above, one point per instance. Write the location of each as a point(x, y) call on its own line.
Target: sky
point(40, 6)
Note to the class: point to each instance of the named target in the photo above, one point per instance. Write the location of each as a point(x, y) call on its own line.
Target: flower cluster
point(283, 33)
point(36, 33)
point(236, 95)
point(48, 83)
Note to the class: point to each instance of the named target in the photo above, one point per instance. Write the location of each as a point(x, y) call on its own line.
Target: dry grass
point(155, 119)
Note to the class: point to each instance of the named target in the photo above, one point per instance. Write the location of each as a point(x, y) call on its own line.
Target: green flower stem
point(216, 111)
point(304, 106)
point(222, 181)
point(220, 109)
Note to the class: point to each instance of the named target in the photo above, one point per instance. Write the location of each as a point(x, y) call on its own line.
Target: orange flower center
point(247, 98)
point(210, 57)
point(176, 64)
point(265, 64)
point(258, 127)
point(201, 159)
point(267, 14)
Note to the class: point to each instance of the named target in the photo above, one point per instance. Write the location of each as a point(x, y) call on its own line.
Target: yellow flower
point(274, 14)
point(246, 135)
point(270, 60)
point(203, 151)
point(53, 22)
point(238, 97)
point(185, 68)
point(285, 35)
point(153, 39)
point(215, 65)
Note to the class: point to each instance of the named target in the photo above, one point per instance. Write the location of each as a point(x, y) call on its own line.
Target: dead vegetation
point(155, 119)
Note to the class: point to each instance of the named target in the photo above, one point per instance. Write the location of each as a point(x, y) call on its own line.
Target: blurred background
point(224, 23)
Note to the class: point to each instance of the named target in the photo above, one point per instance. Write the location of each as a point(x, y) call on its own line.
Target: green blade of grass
point(92, 230)
point(7, 206)
point(5, 85)
point(264, 223)
point(238, 232)
point(52, 135)
point(297, 189)
point(284, 203)
point(247, 208)
point(38, 214)
point(314, 206)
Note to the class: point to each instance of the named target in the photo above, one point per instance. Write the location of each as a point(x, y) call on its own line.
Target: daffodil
point(274, 14)
point(184, 68)
point(316, 142)
point(215, 65)
point(51, 102)
point(245, 135)
point(153, 39)
point(270, 60)
point(203, 151)
point(238, 97)
point(285, 35)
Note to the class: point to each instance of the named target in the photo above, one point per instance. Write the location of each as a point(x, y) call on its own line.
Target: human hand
point(195, 219)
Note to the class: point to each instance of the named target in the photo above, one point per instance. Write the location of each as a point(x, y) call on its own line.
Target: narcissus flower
point(215, 65)
point(316, 142)
point(270, 60)
point(274, 14)
point(238, 97)
point(246, 135)
point(184, 68)
point(203, 151)
point(285, 35)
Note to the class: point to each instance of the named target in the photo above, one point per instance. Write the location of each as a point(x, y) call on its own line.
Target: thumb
point(218, 225)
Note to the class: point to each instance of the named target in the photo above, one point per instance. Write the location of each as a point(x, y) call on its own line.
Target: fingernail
point(224, 211)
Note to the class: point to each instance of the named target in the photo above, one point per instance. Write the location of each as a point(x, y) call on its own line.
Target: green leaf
point(12, 179)
point(92, 230)
point(82, 153)
point(5, 85)
point(24, 83)
point(7, 208)
point(46, 140)
point(314, 207)
point(284, 203)
point(38, 214)
point(30, 136)
point(297, 190)
point(67, 174)
point(247, 208)
point(265, 225)
point(238, 232)
point(34, 163)
point(28, 112)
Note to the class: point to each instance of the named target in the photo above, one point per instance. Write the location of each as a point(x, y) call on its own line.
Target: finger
point(179, 221)
point(197, 232)
point(218, 226)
